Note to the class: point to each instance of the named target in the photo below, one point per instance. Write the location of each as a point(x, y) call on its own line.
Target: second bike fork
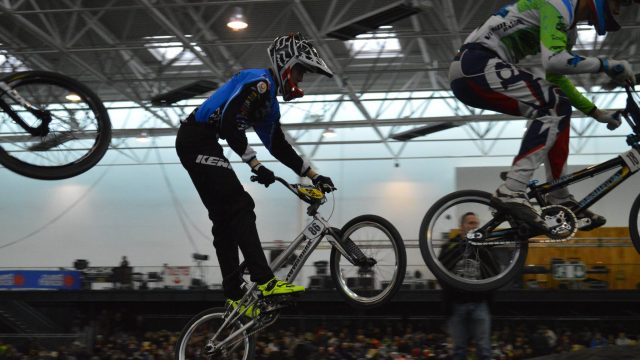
point(44, 116)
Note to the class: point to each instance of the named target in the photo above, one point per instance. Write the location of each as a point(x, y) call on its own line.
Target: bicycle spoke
point(488, 261)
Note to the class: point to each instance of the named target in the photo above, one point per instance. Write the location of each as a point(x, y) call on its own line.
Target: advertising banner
point(40, 280)
point(176, 277)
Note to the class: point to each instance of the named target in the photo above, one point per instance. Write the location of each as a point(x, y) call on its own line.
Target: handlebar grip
point(616, 116)
point(253, 178)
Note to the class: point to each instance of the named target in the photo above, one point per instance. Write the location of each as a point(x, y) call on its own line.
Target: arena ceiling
point(130, 51)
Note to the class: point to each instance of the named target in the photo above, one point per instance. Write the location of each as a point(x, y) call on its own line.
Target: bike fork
point(43, 115)
point(349, 250)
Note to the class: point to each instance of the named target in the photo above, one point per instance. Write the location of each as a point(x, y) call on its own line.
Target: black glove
point(264, 175)
point(324, 183)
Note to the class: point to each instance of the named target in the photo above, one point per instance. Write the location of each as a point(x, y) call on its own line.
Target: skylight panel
point(169, 51)
point(10, 63)
point(381, 43)
point(588, 39)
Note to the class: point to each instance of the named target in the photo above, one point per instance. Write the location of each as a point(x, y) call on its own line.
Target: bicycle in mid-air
point(492, 255)
point(51, 126)
point(367, 263)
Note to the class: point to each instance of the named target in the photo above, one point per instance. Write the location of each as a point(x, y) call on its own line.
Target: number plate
point(632, 159)
point(314, 229)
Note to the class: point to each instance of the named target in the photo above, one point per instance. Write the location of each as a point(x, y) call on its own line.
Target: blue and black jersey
point(247, 100)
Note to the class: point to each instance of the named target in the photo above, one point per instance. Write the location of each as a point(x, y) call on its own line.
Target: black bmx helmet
point(289, 50)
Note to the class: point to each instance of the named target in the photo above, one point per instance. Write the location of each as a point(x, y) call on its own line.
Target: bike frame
point(627, 164)
point(313, 233)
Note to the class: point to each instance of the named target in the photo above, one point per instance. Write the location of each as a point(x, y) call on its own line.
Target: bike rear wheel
point(376, 239)
point(460, 264)
point(201, 328)
point(634, 224)
point(79, 132)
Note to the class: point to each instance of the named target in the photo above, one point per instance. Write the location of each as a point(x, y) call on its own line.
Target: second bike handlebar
point(631, 112)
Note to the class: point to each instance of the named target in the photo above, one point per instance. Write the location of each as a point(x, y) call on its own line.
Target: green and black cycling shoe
point(251, 312)
point(279, 287)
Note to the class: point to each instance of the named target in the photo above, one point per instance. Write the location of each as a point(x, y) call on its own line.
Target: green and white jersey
point(545, 27)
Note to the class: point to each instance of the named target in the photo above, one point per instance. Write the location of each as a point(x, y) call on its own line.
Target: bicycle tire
point(370, 233)
point(439, 219)
point(184, 350)
point(634, 224)
point(75, 143)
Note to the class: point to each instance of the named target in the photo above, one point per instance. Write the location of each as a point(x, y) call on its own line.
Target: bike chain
point(572, 217)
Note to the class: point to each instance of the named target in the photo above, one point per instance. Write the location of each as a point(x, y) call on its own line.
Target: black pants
point(230, 206)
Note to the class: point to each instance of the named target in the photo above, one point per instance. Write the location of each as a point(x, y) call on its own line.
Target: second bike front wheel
point(378, 240)
point(634, 224)
point(193, 340)
point(452, 258)
point(78, 134)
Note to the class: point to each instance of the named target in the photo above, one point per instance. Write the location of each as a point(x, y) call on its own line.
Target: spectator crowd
point(355, 340)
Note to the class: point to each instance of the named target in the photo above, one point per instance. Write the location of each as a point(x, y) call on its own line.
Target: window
point(169, 51)
point(10, 63)
point(383, 43)
point(588, 39)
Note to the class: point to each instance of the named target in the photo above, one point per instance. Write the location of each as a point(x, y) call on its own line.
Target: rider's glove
point(264, 175)
point(611, 118)
point(323, 182)
point(618, 70)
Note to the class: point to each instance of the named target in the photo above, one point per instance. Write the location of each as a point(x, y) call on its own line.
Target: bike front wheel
point(198, 333)
point(456, 262)
point(76, 137)
point(634, 224)
point(373, 284)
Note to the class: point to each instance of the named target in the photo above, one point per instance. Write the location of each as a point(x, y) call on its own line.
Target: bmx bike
point(51, 126)
point(492, 255)
point(368, 249)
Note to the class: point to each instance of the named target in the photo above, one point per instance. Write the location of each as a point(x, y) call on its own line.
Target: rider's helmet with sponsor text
point(293, 49)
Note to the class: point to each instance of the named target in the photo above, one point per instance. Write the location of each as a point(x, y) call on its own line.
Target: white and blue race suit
point(247, 100)
point(485, 74)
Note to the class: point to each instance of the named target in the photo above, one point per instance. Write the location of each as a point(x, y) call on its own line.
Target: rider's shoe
point(587, 219)
point(251, 312)
point(278, 287)
point(517, 204)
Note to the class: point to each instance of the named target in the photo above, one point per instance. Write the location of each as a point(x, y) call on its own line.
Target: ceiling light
point(237, 21)
point(73, 97)
point(329, 133)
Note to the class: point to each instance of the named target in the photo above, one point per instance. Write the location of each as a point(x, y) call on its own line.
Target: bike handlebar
point(631, 112)
point(300, 190)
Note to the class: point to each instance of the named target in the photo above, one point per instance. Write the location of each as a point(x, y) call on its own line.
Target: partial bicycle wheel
point(196, 335)
point(452, 258)
point(634, 224)
point(78, 135)
point(377, 282)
